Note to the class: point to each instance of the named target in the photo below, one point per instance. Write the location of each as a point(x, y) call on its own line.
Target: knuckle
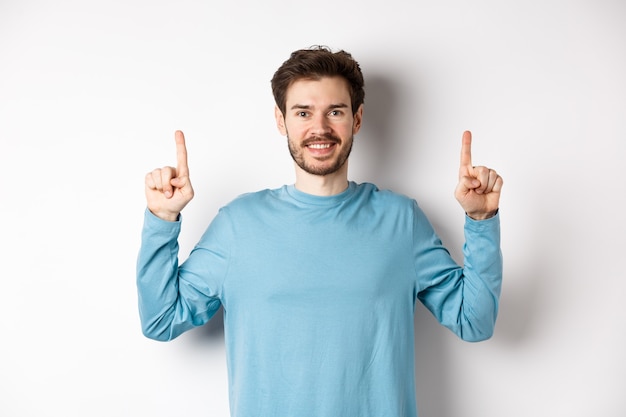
point(166, 172)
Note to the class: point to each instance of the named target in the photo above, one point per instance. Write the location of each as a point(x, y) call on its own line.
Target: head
point(319, 96)
point(313, 64)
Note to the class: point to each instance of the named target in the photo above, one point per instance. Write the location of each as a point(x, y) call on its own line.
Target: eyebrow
point(308, 107)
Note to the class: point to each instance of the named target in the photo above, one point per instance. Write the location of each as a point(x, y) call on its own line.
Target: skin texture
point(320, 126)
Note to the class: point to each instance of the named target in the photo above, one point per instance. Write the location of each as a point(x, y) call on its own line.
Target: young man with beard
point(319, 279)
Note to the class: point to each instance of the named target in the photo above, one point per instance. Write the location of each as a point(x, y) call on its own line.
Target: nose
point(320, 125)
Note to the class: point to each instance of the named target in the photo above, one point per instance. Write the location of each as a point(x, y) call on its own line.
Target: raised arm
point(478, 190)
point(466, 299)
point(174, 299)
point(168, 189)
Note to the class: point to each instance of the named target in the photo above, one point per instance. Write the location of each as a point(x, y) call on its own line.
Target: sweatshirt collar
point(317, 200)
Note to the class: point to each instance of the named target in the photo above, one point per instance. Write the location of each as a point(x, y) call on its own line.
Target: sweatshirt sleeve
point(173, 299)
point(463, 299)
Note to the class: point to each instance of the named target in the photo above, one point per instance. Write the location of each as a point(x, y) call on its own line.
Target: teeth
point(320, 145)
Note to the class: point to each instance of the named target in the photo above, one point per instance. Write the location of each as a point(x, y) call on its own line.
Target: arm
point(170, 301)
point(465, 299)
point(172, 298)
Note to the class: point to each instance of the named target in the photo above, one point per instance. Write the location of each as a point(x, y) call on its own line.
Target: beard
point(298, 156)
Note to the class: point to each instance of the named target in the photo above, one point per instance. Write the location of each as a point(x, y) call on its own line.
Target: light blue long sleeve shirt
point(319, 296)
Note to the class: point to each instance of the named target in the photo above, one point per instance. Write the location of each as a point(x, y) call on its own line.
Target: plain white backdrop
point(92, 91)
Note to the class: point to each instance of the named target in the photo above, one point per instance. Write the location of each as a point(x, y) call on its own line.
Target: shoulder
point(375, 195)
point(253, 199)
point(385, 204)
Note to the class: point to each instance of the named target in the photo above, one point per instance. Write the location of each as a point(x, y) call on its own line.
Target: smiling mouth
point(320, 145)
point(321, 142)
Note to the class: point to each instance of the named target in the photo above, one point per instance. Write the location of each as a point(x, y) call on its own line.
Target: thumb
point(178, 182)
point(467, 184)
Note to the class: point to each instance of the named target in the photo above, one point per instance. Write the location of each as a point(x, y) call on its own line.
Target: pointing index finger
point(466, 150)
point(182, 170)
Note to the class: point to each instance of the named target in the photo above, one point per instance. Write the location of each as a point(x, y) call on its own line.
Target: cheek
point(295, 130)
point(347, 129)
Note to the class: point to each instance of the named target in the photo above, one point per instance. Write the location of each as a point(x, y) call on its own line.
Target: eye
point(335, 113)
point(302, 114)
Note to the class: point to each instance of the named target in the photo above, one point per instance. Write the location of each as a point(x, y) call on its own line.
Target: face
point(319, 124)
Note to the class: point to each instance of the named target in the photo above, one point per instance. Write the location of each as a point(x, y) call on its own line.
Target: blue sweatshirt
point(319, 296)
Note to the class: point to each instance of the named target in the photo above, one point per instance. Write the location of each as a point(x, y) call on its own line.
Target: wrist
point(482, 216)
point(167, 216)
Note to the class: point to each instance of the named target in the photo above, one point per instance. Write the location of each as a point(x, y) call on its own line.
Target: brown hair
point(315, 63)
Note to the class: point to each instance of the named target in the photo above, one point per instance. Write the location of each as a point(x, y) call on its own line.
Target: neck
point(322, 185)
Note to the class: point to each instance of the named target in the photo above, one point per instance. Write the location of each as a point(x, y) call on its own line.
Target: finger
point(150, 181)
point(153, 180)
point(466, 150)
point(466, 184)
point(167, 174)
point(182, 170)
point(493, 177)
point(489, 179)
point(497, 187)
point(179, 182)
point(482, 174)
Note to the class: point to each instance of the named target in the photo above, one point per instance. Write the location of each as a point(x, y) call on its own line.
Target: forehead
point(320, 91)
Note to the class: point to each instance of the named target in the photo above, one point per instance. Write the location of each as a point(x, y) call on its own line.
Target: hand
point(479, 187)
point(168, 189)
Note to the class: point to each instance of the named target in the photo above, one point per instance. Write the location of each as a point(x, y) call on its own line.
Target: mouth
point(321, 148)
point(319, 145)
point(321, 142)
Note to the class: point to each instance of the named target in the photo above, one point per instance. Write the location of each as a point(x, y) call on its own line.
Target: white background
point(91, 93)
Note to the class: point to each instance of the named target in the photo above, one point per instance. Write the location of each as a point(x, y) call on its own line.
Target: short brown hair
point(315, 63)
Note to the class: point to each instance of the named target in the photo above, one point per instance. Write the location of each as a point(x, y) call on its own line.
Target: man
point(319, 279)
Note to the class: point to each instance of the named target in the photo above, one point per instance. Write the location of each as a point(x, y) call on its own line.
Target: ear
point(358, 120)
point(280, 121)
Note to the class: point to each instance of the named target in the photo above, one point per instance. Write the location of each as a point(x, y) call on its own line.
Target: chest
point(312, 265)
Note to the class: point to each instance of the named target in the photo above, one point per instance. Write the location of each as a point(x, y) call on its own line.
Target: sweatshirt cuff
point(155, 223)
point(481, 225)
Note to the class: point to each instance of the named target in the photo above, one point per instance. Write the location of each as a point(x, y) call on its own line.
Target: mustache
point(327, 137)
